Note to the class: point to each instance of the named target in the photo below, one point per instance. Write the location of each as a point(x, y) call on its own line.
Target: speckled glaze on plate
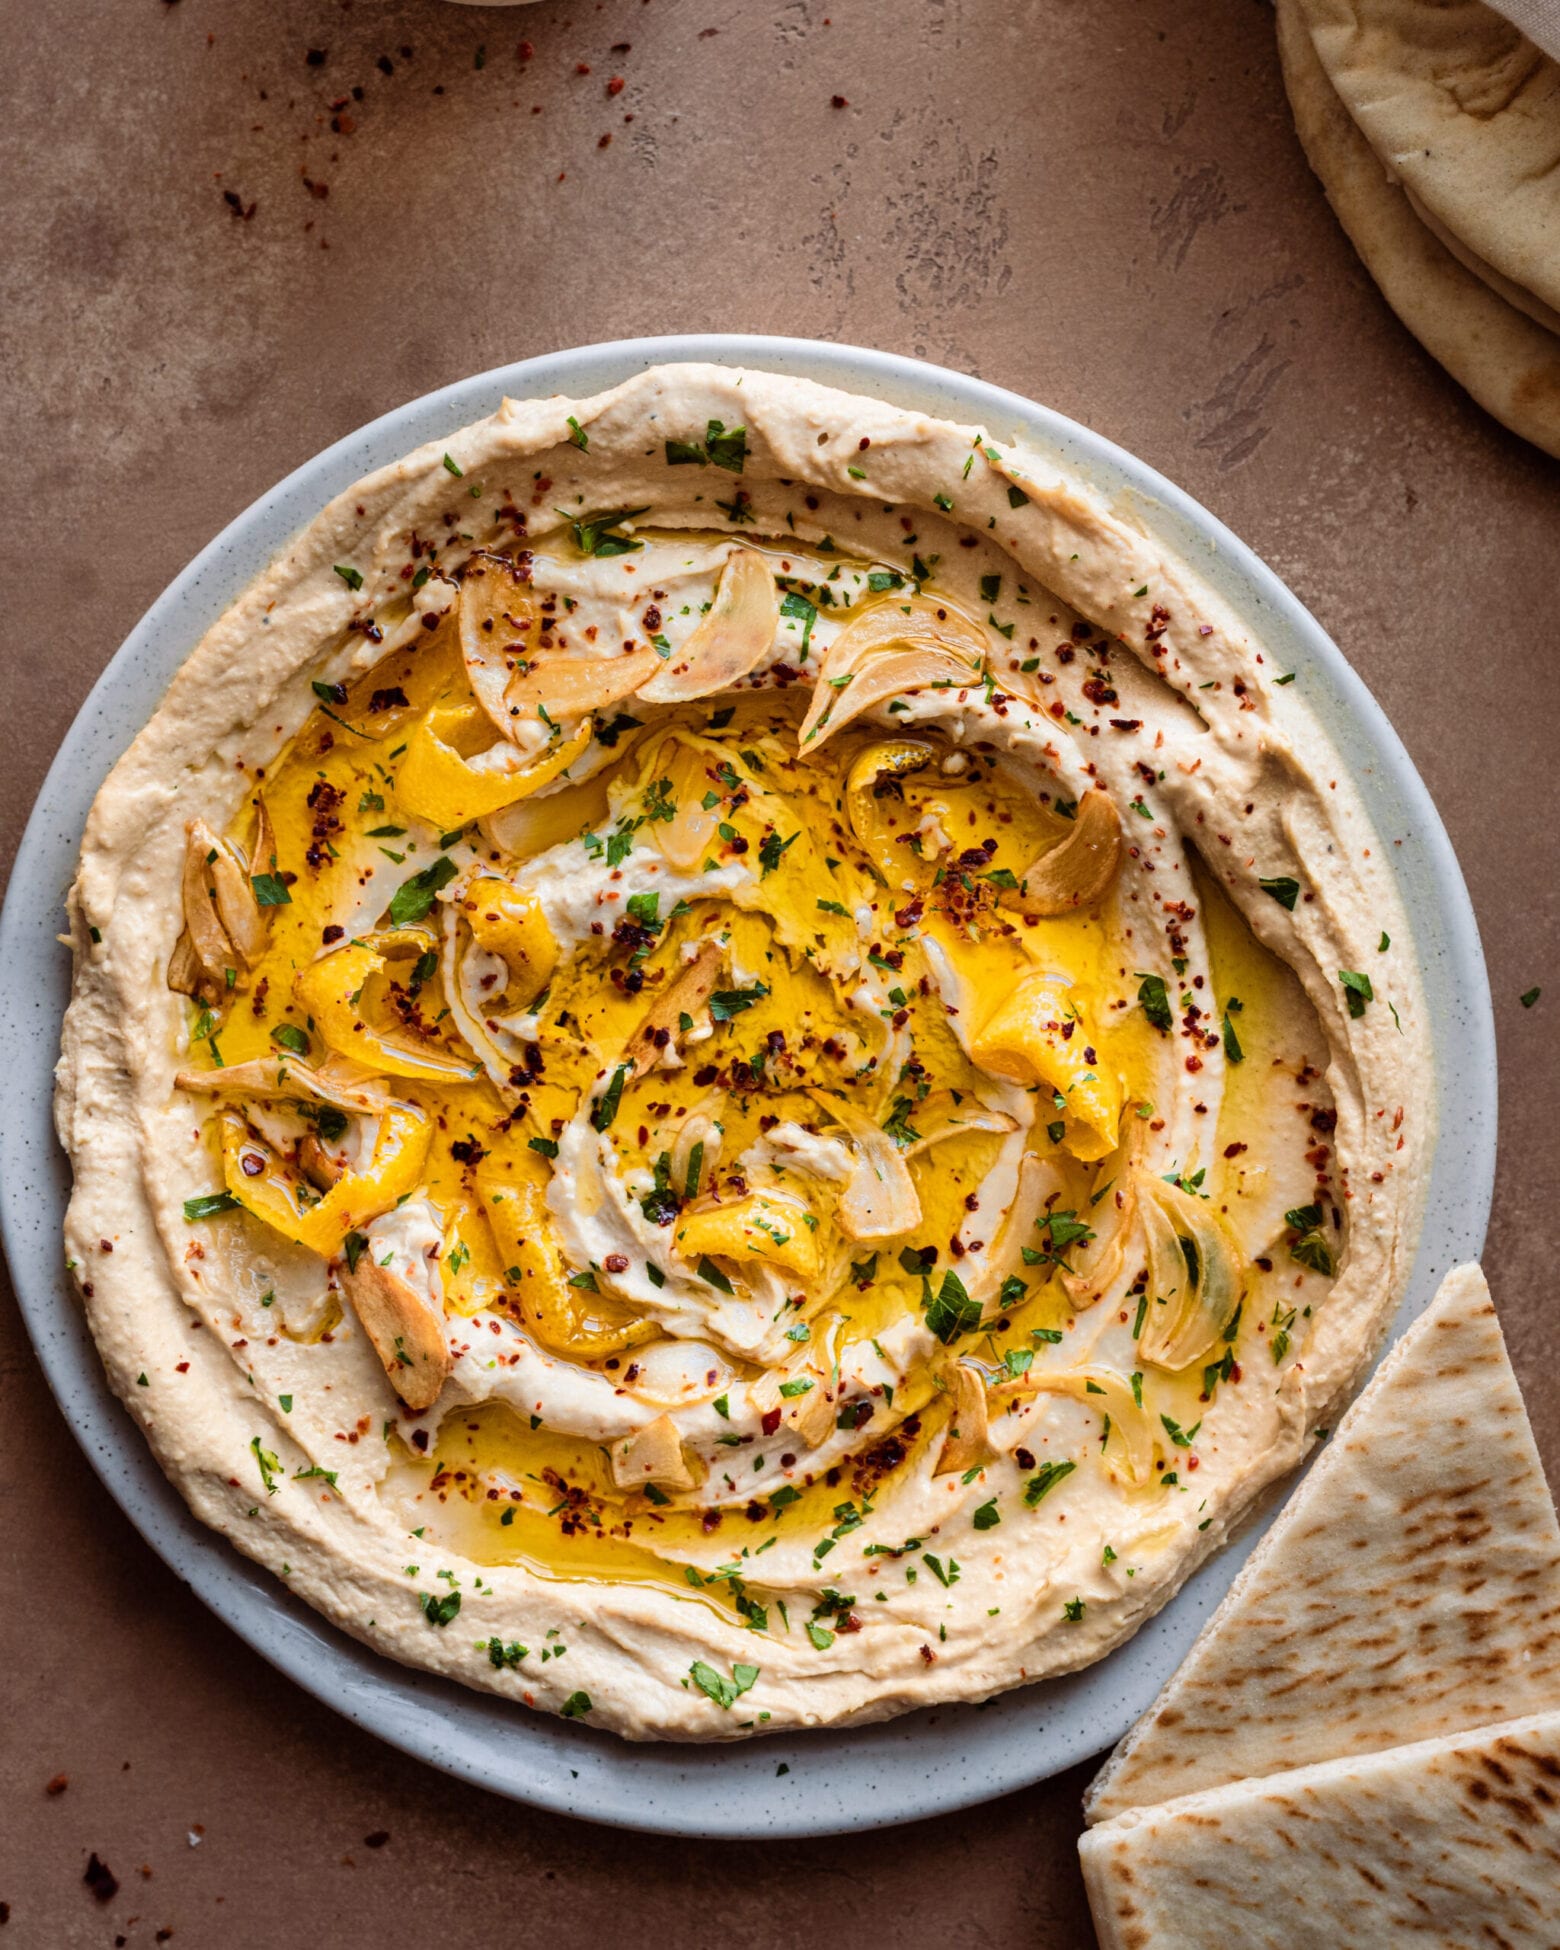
point(902, 1770)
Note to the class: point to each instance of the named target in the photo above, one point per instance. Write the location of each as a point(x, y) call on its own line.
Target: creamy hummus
point(736, 1063)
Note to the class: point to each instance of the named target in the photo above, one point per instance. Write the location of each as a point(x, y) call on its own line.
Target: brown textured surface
point(1103, 207)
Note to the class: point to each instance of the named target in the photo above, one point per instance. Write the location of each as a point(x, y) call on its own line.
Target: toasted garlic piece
point(289, 1076)
point(1196, 1277)
point(926, 642)
point(1078, 872)
point(496, 621)
point(685, 995)
point(880, 1199)
point(939, 1118)
point(1109, 1394)
point(810, 1414)
point(654, 1455)
point(967, 1441)
point(569, 687)
point(1097, 1264)
point(734, 635)
point(1038, 1180)
point(320, 1166)
point(224, 927)
point(885, 677)
point(407, 1331)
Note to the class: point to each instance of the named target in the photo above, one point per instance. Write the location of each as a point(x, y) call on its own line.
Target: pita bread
point(1470, 260)
point(1505, 359)
point(1411, 1588)
point(1465, 112)
point(1449, 1843)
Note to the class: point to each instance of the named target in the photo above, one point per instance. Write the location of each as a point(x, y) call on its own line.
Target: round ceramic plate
point(927, 1762)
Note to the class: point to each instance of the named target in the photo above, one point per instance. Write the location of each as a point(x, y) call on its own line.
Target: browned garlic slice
point(967, 1441)
point(496, 620)
point(685, 994)
point(224, 927)
point(1079, 872)
point(810, 1414)
point(1196, 1277)
point(734, 635)
point(1038, 1181)
point(1129, 1449)
point(880, 1199)
point(892, 646)
point(655, 1455)
point(337, 1084)
point(407, 1330)
point(568, 687)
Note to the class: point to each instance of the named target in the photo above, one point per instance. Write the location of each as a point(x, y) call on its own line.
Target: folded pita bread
point(1507, 360)
point(1411, 1587)
point(1450, 1843)
point(1464, 111)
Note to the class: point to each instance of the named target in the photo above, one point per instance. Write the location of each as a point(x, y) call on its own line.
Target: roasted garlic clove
point(967, 1440)
point(1080, 871)
point(880, 1200)
point(734, 635)
point(685, 995)
point(407, 1330)
point(1196, 1277)
point(892, 646)
point(655, 1455)
point(567, 687)
point(1129, 1447)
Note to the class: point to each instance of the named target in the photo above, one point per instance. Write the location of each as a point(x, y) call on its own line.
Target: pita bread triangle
point(1409, 1589)
point(1450, 1844)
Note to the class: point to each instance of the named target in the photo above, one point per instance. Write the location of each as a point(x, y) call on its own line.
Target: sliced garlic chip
point(734, 635)
point(567, 687)
point(406, 1329)
point(1196, 1276)
point(1079, 872)
point(892, 646)
point(967, 1441)
point(1039, 1181)
point(1129, 1448)
point(497, 618)
point(341, 1085)
point(810, 1412)
point(685, 995)
point(655, 1455)
point(880, 1200)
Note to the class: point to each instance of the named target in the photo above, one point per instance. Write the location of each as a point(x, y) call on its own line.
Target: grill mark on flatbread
point(1449, 1843)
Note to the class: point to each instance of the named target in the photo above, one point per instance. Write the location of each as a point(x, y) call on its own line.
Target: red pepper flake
point(615, 85)
point(236, 204)
point(58, 1785)
point(101, 1880)
point(582, 67)
point(605, 142)
point(838, 101)
point(524, 52)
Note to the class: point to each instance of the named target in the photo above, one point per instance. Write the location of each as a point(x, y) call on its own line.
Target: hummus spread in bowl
point(735, 1064)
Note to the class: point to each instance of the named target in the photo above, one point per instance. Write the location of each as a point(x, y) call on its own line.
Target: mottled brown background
point(1100, 205)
